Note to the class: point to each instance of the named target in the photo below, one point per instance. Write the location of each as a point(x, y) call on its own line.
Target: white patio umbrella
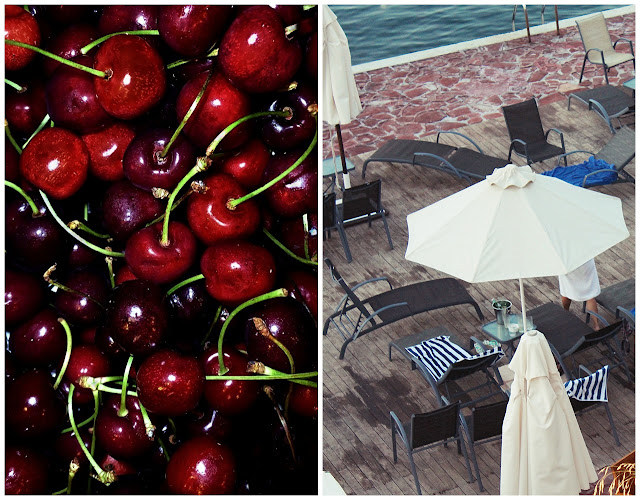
point(543, 451)
point(515, 224)
point(341, 102)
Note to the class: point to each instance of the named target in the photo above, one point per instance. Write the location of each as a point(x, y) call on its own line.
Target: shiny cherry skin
point(25, 110)
point(191, 306)
point(33, 410)
point(67, 44)
point(293, 236)
point(145, 167)
point(67, 447)
point(124, 274)
point(304, 400)
point(136, 316)
point(20, 26)
point(24, 295)
point(126, 208)
point(303, 286)
point(211, 220)
point(298, 129)
point(120, 467)
point(11, 165)
point(201, 466)
point(296, 194)
point(85, 360)
point(230, 397)
point(236, 271)
point(87, 305)
point(191, 30)
point(220, 106)
point(106, 149)
point(247, 164)
point(26, 471)
point(169, 383)
point(288, 322)
point(149, 259)
point(122, 437)
point(137, 81)
point(116, 18)
point(56, 161)
point(207, 422)
point(40, 341)
point(80, 255)
point(311, 56)
point(255, 53)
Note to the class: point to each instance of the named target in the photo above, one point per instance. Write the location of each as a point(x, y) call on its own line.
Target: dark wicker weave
point(386, 308)
point(403, 151)
point(332, 220)
point(607, 101)
point(527, 136)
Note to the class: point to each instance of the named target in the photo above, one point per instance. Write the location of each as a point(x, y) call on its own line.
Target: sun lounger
point(608, 102)
point(393, 305)
point(464, 163)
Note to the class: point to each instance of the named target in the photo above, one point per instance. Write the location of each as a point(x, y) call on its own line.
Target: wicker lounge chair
point(608, 102)
point(393, 305)
point(598, 47)
point(464, 163)
point(528, 138)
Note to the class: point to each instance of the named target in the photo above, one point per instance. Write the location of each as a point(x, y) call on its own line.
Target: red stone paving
point(414, 100)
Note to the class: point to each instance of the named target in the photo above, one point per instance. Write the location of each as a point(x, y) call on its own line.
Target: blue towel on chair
point(574, 174)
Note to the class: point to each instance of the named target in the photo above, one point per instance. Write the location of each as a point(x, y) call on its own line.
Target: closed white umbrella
point(543, 451)
point(341, 102)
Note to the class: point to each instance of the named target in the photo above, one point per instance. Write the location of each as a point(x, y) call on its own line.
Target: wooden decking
point(359, 391)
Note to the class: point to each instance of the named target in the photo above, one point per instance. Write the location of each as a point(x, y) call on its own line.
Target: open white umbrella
point(543, 451)
point(341, 102)
point(515, 224)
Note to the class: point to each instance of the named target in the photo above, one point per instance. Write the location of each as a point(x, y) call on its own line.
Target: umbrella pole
point(345, 173)
point(524, 311)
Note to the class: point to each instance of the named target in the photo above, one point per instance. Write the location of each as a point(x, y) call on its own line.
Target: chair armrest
point(372, 280)
point(596, 50)
point(473, 341)
point(565, 155)
point(584, 369)
point(512, 147)
point(461, 135)
point(624, 40)
point(589, 312)
point(395, 422)
point(584, 180)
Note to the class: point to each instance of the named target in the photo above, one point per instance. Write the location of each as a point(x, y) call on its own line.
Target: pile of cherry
point(161, 249)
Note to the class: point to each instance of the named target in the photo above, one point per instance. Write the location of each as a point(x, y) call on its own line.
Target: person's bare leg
point(592, 305)
point(566, 302)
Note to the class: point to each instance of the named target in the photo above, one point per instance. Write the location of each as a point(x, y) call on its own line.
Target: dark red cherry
point(25, 110)
point(191, 30)
point(311, 56)
point(116, 18)
point(296, 193)
point(80, 255)
point(297, 130)
point(23, 296)
point(40, 341)
point(137, 317)
point(201, 466)
point(11, 165)
point(85, 360)
point(191, 305)
point(68, 14)
point(169, 383)
point(67, 447)
point(20, 26)
point(126, 208)
point(230, 397)
point(304, 400)
point(67, 44)
point(122, 437)
point(26, 471)
point(106, 149)
point(145, 166)
point(255, 53)
point(236, 271)
point(120, 468)
point(294, 236)
point(149, 259)
point(303, 286)
point(32, 408)
point(288, 322)
point(124, 274)
point(56, 161)
point(86, 306)
point(247, 164)
point(207, 422)
point(220, 106)
point(211, 220)
point(290, 14)
point(137, 81)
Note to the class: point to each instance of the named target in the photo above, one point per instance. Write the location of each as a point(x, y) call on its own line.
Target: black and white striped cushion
point(438, 353)
point(590, 388)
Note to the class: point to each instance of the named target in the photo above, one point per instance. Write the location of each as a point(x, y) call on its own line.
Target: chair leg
point(466, 459)
point(393, 441)
point(414, 472)
point(386, 228)
point(613, 426)
point(606, 77)
point(584, 62)
point(345, 244)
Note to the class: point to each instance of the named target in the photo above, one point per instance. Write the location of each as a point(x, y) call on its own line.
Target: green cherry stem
point(295, 378)
point(84, 50)
point(74, 234)
point(213, 324)
point(73, 468)
point(187, 115)
point(231, 204)
point(51, 281)
point(268, 390)
point(280, 292)
point(305, 226)
point(164, 448)
point(16, 86)
point(67, 354)
point(184, 283)
point(148, 425)
point(123, 412)
point(13, 142)
point(35, 212)
point(63, 491)
point(112, 278)
point(103, 476)
point(43, 123)
point(113, 390)
point(77, 224)
point(261, 326)
point(81, 67)
point(173, 207)
point(180, 62)
point(87, 382)
point(286, 250)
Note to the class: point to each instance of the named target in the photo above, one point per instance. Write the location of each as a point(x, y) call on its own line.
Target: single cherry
point(304, 400)
point(67, 447)
point(236, 271)
point(85, 360)
point(106, 149)
point(25, 110)
point(207, 422)
point(86, 306)
point(40, 341)
point(303, 286)
point(169, 383)
point(26, 471)
point(201, 466)
point(67, 44)
point(20, 26)
point(294, 236)
point(247, 164)
point(296, 130)
point(191, 308)
point(115, 18)
point(24, 295)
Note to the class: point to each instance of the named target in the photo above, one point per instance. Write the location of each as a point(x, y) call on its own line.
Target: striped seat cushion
point(590, 388)
point(438, 353)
